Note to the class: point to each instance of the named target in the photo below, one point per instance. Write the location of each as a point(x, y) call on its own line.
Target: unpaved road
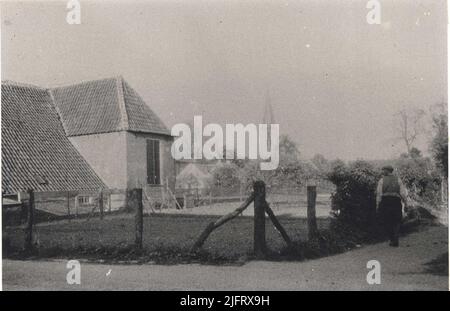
point(402, 268)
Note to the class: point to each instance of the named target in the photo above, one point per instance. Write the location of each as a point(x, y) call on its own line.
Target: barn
point(87, 136)
point(36, 153)
point(117, 133)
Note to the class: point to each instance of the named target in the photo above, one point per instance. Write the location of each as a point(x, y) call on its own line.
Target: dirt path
point(402, 268)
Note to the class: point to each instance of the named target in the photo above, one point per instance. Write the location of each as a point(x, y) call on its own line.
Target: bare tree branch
point(410, 125)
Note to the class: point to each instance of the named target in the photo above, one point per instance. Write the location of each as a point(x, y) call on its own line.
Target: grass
point(167, 239)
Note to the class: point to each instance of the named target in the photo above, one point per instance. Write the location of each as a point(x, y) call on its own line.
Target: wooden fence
point(279, 196)
point(134, 202)
point(261, 207)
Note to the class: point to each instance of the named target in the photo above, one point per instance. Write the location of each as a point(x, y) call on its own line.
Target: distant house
point(194, 176)
point(91, 135)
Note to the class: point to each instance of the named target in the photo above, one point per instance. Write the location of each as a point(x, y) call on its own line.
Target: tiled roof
point(140, 117)
point(102, 106)
point(36, 153)
point(88, 107)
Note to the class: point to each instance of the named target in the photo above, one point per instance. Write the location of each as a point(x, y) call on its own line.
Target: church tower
point(268, 117)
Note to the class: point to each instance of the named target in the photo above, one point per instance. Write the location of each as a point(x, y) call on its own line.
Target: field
point(169, 231)
point(162, 232)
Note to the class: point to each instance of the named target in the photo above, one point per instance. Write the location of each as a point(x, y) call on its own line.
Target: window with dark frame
point(153, 169)
point(84, 200)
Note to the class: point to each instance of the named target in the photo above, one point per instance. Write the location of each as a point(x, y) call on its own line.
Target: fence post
point(68, 205)
point(311, 211)
point(136, 201)
point(109, 201)
point(100, 203)
point(76, 206)
point(259, 237)
point(30, 220)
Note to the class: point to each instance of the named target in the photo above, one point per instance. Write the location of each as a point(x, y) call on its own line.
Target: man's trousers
point(390, 210)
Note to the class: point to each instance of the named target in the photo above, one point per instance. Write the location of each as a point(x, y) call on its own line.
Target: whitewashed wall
point(107, 155)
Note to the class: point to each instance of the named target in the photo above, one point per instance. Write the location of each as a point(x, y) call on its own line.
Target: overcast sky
point(334, 81)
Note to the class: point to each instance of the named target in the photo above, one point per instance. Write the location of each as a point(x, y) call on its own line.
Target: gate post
point(100, 203)
point(135, 202)
point(30, 220)
point(311, 211)
point(259, 237)
point(139, 218)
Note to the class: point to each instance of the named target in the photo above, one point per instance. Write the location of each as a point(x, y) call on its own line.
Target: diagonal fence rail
point(261, 207)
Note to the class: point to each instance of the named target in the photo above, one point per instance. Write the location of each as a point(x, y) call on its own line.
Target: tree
point(439, 143)
point(415, 153)
point(288, 150)
point(410, 125)
point(321, 163)
point(226, 175)
point(289, 172)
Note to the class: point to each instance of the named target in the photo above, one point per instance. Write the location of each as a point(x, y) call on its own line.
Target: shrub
point(354, 200)
point(226, 175)
point(439, 143)
point(420, 177)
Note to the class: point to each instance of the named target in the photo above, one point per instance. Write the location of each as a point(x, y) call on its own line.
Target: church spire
point(268, 117)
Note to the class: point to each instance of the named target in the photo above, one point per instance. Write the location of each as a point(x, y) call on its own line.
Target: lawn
point(162, 232)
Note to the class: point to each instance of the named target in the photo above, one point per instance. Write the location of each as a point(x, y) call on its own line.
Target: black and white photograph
point(252, 146)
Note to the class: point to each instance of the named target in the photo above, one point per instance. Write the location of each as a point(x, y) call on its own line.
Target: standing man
point(390, 194)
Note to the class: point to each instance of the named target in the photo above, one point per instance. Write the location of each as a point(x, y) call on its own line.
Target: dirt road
point(402, 268)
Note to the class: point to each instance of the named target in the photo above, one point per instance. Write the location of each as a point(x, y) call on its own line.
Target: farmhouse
point(123, 140)
point(35, 150)
point(91, 135)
